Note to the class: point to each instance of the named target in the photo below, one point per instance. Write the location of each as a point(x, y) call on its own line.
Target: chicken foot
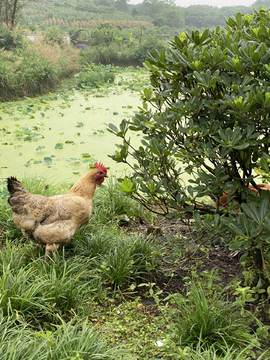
point(49, 248)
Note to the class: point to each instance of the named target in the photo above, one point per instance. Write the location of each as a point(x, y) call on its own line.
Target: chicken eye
point(101, 172)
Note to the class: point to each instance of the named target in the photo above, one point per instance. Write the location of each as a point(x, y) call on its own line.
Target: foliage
point(115, 205)
point(10, 39)
point(209, 119)
point(92, 295)
point(109, 257)
point(69, 340)
point(86, 14)
point(252, 234)
point(210, 321)
point(149, 43)
point(34, 69)
point(54, 35)
point(11, 12)
point(93, 76)
point(131, 51)
point(126, 263)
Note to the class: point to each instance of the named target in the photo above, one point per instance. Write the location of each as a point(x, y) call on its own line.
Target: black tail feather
point(11, 184)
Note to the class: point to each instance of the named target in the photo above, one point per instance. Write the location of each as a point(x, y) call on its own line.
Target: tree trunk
point(14, 14)
point(1, 9)
point(7, 18)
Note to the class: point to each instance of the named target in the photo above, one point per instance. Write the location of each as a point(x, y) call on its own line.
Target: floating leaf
point(27, 164)
point(48, 160)
point(86, 155)
point(39, 148)
point(115, 113)
point(59, 146)
point(69, 142)
point(80, 124)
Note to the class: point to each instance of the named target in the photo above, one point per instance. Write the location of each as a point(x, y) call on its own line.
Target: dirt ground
point(182, 256)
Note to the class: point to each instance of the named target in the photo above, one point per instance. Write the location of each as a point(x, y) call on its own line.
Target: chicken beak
point(106, 176)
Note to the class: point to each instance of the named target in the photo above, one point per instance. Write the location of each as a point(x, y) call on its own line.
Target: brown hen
point(52, 221)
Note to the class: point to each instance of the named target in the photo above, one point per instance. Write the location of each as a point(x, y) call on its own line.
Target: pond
point(58, 135)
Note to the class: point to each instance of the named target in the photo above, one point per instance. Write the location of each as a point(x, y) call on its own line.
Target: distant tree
point(264, 3)
point(149, 43)
point(103, 34)
point(163, 12)
point(135, 12)
point(104, 2)
point(172, 16)
point(154, 7)
point(121, 5)
point(228, 11)
point(203, 16)
point(74, 34)
point(10, 11)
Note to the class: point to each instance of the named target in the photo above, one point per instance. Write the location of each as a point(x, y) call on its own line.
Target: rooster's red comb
point(100, 166)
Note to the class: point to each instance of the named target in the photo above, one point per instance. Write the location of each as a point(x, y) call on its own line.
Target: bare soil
point(183, 255)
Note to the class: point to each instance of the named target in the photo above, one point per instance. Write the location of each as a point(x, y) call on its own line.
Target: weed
point(210, 321)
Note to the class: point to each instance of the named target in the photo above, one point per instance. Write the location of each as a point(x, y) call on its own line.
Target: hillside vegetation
point(160, 13)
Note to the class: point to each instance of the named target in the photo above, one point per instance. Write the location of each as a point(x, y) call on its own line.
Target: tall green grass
point(48, 310)
point(211, 321)
point(35, 68)
point(75, 340)
point(101, 258)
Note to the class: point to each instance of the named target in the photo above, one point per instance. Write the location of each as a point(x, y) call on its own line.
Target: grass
point(101, 298)
point(210, 321)
point(72, 340)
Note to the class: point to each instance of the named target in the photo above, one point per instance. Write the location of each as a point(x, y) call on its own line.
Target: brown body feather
point(223, 199)
point(52, 221)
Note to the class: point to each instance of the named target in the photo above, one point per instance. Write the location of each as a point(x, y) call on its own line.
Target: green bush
point(209, 119)
point(141, 51)
point(55, 35)
point(10, 40)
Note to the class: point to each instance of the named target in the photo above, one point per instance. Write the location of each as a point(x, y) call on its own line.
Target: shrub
point(209, 119)
point(141, 51)
point(10, 40)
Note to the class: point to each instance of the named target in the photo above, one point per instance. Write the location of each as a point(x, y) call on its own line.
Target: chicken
point(223, 199)
point(52, 221)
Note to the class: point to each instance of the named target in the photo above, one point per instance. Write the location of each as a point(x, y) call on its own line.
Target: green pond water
point(57, 136)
